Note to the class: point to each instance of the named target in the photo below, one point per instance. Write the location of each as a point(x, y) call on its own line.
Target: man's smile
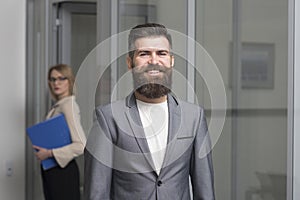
point(154, 72)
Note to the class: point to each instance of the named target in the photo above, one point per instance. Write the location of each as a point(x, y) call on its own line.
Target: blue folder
point(50, 134)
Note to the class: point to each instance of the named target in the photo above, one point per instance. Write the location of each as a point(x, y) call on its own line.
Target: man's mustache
point(151, 67)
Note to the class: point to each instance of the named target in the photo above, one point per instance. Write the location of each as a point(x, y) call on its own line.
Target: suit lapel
point(136, 126)
point(175, 118)
point(174, 126)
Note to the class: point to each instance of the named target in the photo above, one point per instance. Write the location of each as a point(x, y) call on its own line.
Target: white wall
point(12, 101)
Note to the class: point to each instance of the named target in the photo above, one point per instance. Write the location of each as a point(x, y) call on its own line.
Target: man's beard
point(152, 86)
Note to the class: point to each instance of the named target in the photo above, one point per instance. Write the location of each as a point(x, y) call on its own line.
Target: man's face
point(152, 66)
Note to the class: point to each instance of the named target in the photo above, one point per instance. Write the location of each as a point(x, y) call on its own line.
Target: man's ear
point(129, 62)
point(172, 61)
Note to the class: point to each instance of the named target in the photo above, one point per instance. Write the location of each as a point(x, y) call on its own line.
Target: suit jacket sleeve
point(201, 163)
point(98, 156)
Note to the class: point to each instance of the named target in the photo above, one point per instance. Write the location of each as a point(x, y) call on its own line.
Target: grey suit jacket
point(118, 164)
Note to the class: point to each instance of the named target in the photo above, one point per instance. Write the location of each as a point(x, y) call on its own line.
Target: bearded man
point(147, 145)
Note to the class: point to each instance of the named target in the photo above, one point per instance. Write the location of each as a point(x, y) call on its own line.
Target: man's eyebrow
point(148, 50)
point(142, 50)
point(139, 51)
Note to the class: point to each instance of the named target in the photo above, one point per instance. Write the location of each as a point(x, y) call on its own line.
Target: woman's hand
point(42, 153)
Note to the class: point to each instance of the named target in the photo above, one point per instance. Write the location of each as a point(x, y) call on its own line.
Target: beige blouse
point(70, 109)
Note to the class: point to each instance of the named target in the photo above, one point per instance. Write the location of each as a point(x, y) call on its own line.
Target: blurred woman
point(62, 181)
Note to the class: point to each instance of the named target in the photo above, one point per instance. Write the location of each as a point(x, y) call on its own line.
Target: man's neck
point(149, 100)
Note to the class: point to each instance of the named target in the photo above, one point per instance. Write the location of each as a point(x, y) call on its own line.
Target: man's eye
point(163, 53)
point(143, 54)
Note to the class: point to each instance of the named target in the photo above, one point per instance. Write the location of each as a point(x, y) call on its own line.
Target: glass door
point(252, 56)
point(76, 32)
point(76, 38)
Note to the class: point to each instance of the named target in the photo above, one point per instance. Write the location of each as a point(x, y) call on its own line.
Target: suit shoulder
point(190, 106)
point(111, 107)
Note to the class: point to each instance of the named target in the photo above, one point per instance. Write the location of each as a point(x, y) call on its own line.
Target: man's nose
point(154, 58)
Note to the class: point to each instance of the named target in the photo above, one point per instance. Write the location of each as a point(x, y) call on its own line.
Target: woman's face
point(59, 84)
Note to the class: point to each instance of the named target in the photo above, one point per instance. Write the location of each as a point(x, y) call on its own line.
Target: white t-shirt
point(155, 120)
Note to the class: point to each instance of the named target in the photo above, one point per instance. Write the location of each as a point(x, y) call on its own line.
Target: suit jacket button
point(159, 183)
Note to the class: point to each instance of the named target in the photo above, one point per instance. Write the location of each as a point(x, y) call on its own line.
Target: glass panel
point(214, 34)
point(79, 27)
point(263, 118)
point(83, 37)
point(251, 152)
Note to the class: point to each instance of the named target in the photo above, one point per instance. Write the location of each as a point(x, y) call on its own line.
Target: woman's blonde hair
point(67, 72)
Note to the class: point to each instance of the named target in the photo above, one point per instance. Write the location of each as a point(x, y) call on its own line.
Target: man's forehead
point(152, 43)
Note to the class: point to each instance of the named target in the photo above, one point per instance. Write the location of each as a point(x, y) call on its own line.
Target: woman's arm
point(65, 154)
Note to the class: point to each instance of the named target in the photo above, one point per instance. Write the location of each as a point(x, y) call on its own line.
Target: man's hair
point(146, 30)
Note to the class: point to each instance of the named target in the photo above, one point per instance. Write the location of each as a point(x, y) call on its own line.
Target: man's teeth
point(153, 72)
